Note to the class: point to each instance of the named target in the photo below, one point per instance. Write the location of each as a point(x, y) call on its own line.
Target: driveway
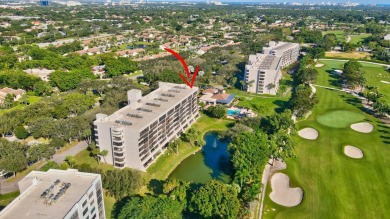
point(59, 158)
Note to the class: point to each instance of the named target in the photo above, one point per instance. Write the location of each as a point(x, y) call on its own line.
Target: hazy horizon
point(289, 1)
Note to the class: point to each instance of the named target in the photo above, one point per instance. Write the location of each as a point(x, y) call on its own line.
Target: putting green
point(340, 118)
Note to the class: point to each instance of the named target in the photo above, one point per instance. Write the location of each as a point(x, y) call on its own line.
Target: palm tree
point(70, 160)
point(103, 154)
point(174, 145)
point(242, 83)
point(270, 86)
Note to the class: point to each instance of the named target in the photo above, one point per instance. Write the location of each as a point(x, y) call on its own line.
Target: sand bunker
point(282, 194)
point(308, 133)
point(319, 65)
point(353, 152)
point(363, 127)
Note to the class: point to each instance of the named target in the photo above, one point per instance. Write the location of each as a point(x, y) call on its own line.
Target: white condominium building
point(263, 72)
point(289, 52)
point(67, 194)
point(137, 134)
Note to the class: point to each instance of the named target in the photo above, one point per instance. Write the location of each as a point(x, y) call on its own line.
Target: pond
point(212, 162)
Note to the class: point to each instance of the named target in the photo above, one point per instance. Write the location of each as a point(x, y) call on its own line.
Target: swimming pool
point(233, 112)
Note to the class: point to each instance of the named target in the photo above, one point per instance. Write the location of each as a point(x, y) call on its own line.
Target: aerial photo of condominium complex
point(263, 71)
point(137, 134)
point(146, 109)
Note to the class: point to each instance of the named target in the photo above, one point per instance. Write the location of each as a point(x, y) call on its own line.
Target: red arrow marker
point(190, 84)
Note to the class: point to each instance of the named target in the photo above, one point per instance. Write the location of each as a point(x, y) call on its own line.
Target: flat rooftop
point(283, 46)
point(149, 107)
point(263, 61)
point(30, 204)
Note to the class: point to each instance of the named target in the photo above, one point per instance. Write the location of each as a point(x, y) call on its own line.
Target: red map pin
point(185, 68)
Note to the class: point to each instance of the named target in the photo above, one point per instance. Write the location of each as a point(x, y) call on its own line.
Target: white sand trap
point(363, 127)
point(308, 133)
point(353, 152)
point(282, 194)
point(319, 65)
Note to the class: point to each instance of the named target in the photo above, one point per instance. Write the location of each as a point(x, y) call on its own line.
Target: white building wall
point(135, 153)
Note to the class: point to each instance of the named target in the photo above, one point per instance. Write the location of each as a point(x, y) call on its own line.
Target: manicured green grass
point(109, 202)
point(339, 34)
point(262, 104)
point(84, 158)
point(374, 75)
point(340, 118)
point(358, 38)
point(334, 185)
point(7, 198)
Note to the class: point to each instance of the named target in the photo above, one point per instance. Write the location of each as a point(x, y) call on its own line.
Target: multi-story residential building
point(289, 52)
point(67, 194)
point(263, 72)
point(137, 134)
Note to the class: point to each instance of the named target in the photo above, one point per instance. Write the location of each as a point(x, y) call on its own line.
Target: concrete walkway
point(59, 158)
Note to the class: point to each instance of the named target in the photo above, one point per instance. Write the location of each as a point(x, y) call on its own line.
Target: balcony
point(119, 149)
point(119, 160)
point(119, 155)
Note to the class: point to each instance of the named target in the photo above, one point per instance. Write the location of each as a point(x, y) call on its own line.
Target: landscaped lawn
point(358, 38)
point(339, 34)
point(374, 73)
point(262, 104)
point(7, 198)
point(109, 202)
point(84, 158)
point(334, 185)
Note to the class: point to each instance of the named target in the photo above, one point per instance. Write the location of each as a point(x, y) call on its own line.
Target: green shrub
point(21, 132)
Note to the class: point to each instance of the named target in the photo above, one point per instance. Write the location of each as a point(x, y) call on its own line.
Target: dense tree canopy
point(353, 75)
point(215, 200)
point(151, 207)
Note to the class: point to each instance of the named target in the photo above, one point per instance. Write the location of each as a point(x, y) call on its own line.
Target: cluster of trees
point(15, 156)
point(68, 80)
point(56, 116)
point(18, 79)
point(303, 99)
point(254, 141)
point(177, 199)
point(218, 111)
point(119, 66)
point(122, 183)
point(218, 65)
point(353, 75)
point(7, 58)
point(375, 98)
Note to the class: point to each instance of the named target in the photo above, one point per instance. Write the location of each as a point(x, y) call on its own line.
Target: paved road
point(6, 187)
point(59, 158)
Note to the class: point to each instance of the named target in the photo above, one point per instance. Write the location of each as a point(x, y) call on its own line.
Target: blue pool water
point(233, 112)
